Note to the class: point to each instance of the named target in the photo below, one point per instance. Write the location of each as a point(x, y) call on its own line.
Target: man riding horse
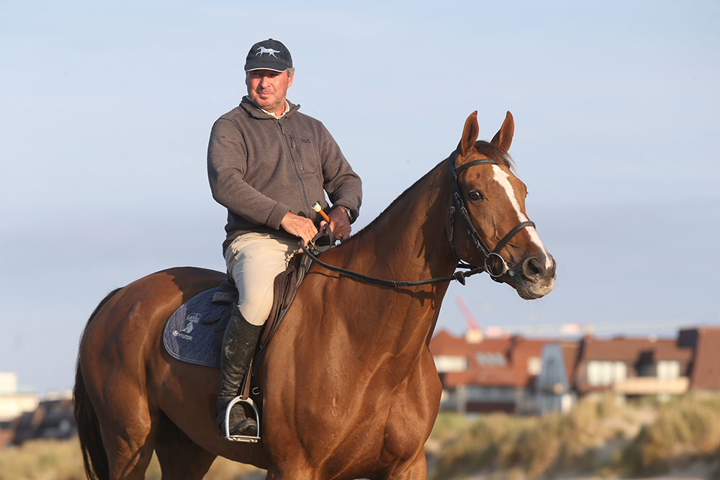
point(267, 164)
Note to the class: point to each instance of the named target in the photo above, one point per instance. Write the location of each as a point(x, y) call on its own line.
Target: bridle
point(494, 264)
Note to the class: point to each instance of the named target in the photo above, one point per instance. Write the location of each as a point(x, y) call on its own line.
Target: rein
point(459, 275)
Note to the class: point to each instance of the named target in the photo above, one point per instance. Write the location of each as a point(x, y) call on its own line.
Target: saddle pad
point(190, 333)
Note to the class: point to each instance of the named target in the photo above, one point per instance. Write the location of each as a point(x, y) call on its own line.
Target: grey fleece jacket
point(261, 167)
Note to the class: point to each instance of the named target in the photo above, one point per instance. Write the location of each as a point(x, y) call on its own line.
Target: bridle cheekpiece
point(495, 264)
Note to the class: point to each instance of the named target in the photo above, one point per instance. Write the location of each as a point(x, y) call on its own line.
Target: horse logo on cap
point(269, 51)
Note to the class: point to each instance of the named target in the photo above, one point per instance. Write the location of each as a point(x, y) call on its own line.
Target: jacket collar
point(257, 112)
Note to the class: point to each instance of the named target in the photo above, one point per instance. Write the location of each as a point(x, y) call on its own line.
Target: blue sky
point(106, 109)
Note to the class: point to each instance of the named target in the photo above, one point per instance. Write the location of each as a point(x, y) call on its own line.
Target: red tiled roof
point(516, 351)
point(706, 366)
point(486, 376)
point(697, 347)
point(630, 349)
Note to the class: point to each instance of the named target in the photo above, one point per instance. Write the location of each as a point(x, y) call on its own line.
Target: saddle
point(194, 332)
point(284, 288)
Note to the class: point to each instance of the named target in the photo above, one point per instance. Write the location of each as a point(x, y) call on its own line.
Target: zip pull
point(292, 141)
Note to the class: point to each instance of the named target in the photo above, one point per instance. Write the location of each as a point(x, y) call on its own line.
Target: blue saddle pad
point(190, 332)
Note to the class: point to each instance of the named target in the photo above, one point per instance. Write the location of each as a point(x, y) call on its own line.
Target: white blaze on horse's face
point(501, 177)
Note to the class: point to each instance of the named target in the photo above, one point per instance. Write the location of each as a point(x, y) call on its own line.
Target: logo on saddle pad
point(269, 51)
point(192, 319)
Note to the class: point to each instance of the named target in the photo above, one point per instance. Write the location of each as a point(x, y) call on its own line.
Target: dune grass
point(533, 445)
point(687, 428)
point(596, 437)
point(62, 460)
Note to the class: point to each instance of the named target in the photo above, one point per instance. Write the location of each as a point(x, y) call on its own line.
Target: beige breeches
point(254, 260)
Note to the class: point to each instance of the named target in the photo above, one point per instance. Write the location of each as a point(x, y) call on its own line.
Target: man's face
point(268, 89)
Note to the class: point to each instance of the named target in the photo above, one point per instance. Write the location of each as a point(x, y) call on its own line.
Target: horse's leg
point(180, 458)
point(128, 429)
point(414, 468)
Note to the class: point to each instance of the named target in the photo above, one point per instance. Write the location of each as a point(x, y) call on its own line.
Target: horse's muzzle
point(535, 277)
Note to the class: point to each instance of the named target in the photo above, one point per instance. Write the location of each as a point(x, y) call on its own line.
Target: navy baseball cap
point(268, 55)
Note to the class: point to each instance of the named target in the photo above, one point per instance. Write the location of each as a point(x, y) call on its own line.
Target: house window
point(534, 365)
point(490, 358)
point(448, 363)
point(605, 372)
point(668, 369)
point(491, 393)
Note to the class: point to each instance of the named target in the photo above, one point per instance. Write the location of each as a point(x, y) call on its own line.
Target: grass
point(597, 437)
point(42, 460)
point(687, 428)
point(62, 460)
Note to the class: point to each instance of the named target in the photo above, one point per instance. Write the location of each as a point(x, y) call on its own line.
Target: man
point(267, 164)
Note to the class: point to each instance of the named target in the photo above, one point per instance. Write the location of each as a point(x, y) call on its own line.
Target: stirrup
point(241, 438)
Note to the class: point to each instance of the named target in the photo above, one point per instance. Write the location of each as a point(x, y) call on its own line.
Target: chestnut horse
point(349, 387)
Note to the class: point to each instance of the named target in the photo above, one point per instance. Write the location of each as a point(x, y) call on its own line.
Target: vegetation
point(685, 429)
point(62, 460)
point(599, 437)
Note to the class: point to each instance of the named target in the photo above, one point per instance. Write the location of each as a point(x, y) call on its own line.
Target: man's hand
point(339, 223)
point(299, 226)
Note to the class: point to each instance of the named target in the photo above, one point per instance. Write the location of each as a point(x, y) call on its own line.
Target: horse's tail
point(93, 451)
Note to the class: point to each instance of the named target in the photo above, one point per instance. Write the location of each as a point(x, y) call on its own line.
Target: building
point(25, 416)
point(555, 391)
point(629, 367)
point(12, 401)
point(514, 374)
point(54, 418)
point(487, 374)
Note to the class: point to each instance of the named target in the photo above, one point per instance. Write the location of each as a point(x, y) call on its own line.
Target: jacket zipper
point(291, 146)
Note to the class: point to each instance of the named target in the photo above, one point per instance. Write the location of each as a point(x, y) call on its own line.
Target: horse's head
point(489, 225)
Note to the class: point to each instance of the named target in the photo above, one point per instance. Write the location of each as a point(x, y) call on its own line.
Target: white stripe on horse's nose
point(503, 179)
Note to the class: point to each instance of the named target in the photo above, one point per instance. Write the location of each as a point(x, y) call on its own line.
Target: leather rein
point(495, 265)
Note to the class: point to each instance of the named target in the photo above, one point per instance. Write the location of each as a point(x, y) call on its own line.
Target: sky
point(106, 109)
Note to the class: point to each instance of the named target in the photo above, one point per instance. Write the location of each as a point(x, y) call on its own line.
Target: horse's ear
point(503, 138)
point(470, 134)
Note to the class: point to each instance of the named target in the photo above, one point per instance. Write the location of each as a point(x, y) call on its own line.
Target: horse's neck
point(408, 242)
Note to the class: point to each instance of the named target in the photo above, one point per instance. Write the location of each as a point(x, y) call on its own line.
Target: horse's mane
point(485, 148)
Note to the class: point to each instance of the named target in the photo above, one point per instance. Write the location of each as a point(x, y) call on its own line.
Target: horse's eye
point(475, 195)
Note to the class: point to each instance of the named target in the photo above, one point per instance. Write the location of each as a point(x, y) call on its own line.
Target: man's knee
point(256, 308)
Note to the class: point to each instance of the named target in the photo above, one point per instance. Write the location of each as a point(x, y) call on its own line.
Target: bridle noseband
point(495, 264)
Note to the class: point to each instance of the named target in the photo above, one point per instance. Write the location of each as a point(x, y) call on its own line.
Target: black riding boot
point(239, 342)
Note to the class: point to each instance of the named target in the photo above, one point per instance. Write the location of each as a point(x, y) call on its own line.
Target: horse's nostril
point(532, 267)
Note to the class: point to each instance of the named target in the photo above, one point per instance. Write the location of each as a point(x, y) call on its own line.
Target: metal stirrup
point(241, 438)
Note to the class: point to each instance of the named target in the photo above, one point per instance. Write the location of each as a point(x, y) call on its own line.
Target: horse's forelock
point(495, 153)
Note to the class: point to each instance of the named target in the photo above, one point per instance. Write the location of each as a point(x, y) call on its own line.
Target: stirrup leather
point(241, 438)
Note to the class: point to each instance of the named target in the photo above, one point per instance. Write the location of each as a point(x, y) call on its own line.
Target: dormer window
point(668, 369)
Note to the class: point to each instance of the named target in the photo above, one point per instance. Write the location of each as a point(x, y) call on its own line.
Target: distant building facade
point(26, 416)
point(487, 374)
point(13, 402)
point(529, 376)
